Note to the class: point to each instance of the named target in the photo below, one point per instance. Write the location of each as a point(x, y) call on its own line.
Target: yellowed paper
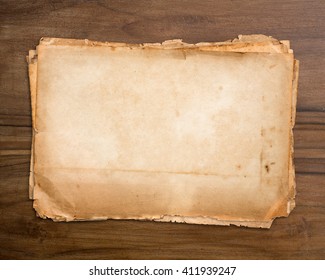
point(167, 132)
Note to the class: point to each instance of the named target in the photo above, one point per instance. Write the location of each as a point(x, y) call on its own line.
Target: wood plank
point(298, 236)
point(310, 117)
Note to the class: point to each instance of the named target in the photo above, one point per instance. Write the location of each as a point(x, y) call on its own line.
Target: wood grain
point(23, 23)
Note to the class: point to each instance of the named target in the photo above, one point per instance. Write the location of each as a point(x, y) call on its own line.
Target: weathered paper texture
point(195, 133)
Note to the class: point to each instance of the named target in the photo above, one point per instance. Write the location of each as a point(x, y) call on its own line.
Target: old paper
point(195, 133)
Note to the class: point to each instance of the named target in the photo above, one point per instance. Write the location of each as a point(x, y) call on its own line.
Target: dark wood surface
point(23, 23)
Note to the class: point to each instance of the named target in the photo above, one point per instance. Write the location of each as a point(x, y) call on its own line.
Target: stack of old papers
point(195, 133)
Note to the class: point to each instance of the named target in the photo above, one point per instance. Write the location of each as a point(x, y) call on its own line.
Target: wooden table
point(23, 23)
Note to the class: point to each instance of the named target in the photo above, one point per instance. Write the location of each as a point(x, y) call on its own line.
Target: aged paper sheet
point(195, 133)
